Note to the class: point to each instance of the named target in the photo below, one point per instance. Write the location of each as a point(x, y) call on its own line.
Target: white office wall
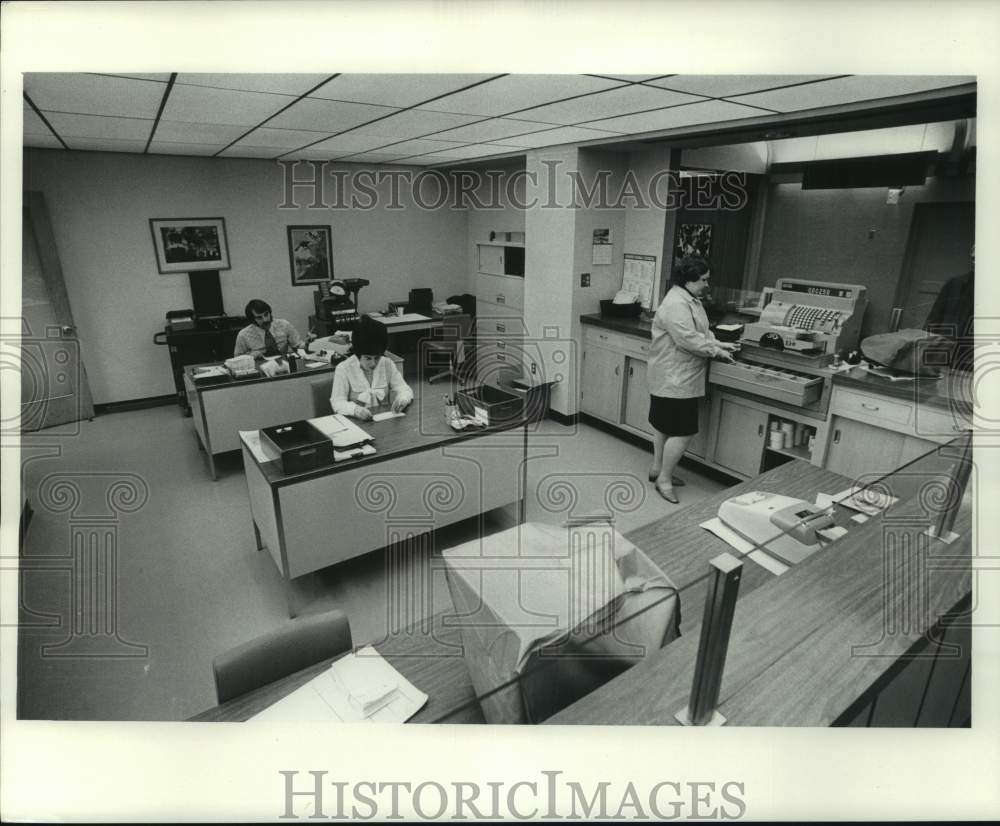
point(101, 204)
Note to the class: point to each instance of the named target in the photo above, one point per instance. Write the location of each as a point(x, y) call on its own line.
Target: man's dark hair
point(689, 268)
point(370, 338)
point(256, 306)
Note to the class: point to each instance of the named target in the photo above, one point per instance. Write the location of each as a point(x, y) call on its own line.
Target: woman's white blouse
point(351, 386)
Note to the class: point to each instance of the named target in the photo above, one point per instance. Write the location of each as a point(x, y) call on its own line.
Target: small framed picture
point(190, 244)
point(310, 253)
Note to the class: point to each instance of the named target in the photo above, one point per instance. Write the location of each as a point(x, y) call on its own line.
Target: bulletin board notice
point(638, 276)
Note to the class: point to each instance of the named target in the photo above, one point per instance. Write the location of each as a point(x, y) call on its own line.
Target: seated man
point(264, 335)
point(368, 379)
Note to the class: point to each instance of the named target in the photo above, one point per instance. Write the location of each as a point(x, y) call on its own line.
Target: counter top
point(953, 391)
point(630, 326)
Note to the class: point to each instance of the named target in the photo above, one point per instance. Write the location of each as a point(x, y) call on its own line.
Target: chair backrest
point(297, 644)
point(453, 328)
point(321, 389)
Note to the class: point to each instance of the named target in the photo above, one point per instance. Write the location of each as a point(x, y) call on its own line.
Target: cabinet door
point(698, 445)
point(857, 449)
point(914, 448)
point(739, 443)
point(601, 395)
point(490, 259)
point(637, 395)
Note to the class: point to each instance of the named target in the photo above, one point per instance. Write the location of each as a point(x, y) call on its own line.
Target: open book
point(358, 688)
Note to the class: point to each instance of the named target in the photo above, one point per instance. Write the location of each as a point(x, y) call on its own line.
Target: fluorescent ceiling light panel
point(513, 92)
point(393, 89)
point(93, 94)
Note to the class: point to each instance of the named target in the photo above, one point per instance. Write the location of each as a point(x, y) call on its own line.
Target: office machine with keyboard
point(808, 317)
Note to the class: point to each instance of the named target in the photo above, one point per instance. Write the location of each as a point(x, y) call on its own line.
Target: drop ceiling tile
point(479, 150)
point(513, 92)
point(281, 138)
point(393, 89)
point(163, 77)
point(34, 125)
point(350, 142)
point(237, 151)
point(98, 126)
point(48, 141)
point(495, 129)
point(562, 134)
point(292, 84)
point(181, 148)
point(849, 90)
point(415, 123)
point(623, 101)
point(373, 158)
point(434, 158)
point(722, 85)
point(630, 78)
point(94, 94)
point(197, 133)
point(712, 111)
point(199, 104)
point(421, 145)
point(105, 145)
point(328, 115)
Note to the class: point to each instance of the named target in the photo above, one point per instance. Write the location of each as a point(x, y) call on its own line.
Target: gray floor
point(188, 581)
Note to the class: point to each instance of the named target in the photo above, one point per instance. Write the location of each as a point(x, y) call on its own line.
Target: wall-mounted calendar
point(638, 276)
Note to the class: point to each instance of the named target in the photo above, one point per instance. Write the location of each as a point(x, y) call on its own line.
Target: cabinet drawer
point(506, 291)
point(869, 407)
point(505, 328)
point(632, 345)
point(488, 311)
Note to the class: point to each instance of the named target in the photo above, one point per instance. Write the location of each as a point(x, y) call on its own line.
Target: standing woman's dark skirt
point(674, 417)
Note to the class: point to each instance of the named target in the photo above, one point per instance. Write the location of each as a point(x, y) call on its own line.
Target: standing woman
point(678, 363)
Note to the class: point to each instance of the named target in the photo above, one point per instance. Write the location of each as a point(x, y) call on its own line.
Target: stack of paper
point(358, 688)
point(340, 430)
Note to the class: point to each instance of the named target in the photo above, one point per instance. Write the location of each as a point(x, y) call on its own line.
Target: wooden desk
point(423, 476)
point(792, 659)
point(220, 411)
point(433, 663)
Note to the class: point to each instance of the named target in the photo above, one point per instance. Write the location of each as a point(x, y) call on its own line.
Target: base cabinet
point(859, 449)
point(739, 437)
point(601, 392)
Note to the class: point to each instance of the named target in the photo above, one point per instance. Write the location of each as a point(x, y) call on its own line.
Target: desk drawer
point(632, 345)
point(868, 406)
point(506, 291)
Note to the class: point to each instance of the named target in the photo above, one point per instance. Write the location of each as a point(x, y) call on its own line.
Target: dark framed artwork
point(693, 239)
point(310, 254)
point(190, 244)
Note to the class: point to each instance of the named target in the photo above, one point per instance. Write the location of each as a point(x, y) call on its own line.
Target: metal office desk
point(220, 411)
point(423, 476)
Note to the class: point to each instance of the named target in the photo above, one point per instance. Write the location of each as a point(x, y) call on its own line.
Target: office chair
point(450, 341)
point(297, 644)
point(321, 390)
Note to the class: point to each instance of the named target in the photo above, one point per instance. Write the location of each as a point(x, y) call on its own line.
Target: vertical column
point(716, 625)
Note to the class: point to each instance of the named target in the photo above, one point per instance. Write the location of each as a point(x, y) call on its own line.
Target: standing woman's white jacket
point(351, 387)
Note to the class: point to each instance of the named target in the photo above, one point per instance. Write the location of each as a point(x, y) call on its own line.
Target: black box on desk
point(495, 404)
point(300, 445)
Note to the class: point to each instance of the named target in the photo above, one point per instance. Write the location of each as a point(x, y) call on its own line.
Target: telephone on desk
point(783, 526)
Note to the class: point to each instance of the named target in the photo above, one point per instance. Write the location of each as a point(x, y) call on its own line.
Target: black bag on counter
point(915, 352)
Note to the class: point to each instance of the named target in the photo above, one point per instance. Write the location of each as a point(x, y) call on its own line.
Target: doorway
point(54, 388)
point(941, 238)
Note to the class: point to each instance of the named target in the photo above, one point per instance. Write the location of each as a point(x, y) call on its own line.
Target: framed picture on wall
point(190, 244)
point(310, 254)
point(693, 239)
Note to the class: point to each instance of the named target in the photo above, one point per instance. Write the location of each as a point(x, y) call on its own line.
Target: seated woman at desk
point(368, 379)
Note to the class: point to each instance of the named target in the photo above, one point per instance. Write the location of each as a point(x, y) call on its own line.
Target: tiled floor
point(188, 581)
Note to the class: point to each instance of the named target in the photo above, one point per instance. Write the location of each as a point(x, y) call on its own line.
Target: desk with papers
point(418, 476)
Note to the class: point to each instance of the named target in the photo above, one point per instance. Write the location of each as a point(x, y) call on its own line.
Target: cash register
point(810, 317)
